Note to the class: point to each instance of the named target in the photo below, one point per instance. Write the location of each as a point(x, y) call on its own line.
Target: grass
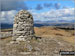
point(67, 35)
point(44, 32)
point(69, 39)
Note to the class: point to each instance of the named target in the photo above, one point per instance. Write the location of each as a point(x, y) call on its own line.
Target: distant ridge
point(64, 25)
point(6, 26)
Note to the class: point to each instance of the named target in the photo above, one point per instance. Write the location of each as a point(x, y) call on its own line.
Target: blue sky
point(33, 4)
point(41, 10)
point(63, 3)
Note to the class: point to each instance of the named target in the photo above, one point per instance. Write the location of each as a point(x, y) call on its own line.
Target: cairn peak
point(23, 26)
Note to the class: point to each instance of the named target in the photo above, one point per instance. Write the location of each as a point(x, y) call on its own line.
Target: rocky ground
point(51, 42)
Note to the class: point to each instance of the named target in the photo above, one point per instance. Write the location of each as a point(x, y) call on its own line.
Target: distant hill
point(38, 25)
point(6, 26)
point(64, 25)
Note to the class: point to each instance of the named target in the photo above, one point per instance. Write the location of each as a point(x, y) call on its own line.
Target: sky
point(57, 11)
point(48, 5)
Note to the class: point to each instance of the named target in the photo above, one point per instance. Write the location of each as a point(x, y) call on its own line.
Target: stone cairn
point(23, 26)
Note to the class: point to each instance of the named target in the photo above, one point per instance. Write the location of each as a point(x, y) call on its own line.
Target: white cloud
point(7, 16)
point(56, 15)
point(62, 14)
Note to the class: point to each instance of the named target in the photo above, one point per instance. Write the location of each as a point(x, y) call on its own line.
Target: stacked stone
point(23, 26)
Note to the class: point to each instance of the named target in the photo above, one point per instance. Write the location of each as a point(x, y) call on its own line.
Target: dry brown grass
point(6, 30)
point(69, 39)
point(66, 35)
point(51, 31)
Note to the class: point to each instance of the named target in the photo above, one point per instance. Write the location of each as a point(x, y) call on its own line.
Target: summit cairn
point(23, 26)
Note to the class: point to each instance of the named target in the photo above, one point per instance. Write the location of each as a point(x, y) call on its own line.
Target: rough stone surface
point(47, 46)
point(23, 26)
point(5, 34)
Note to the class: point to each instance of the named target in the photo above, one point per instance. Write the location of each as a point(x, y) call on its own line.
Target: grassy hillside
point(66, 35)
point(52, 40)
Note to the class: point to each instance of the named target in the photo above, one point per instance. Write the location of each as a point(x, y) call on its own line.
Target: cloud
point(65, 7)
point(57, 5)
point(55, 15)
point(7, 5)
point(52, 15)
point(7, 16)
point(47, 5)
point(39, 7)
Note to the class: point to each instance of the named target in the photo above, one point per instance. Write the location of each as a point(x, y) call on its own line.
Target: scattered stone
point(37, 49)
point(25, 53)
point(29, 47)
point(14, 42)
